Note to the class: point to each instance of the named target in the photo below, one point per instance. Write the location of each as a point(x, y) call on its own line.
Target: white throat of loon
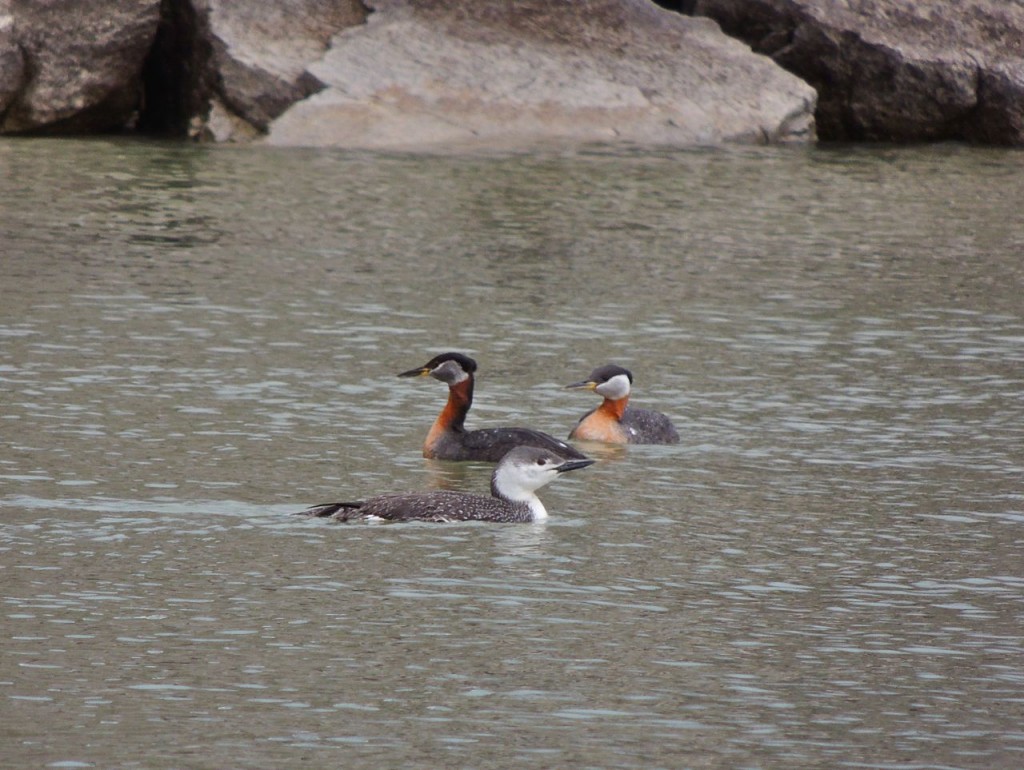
point(526, 469)
point(518, 483)
point(615, 388)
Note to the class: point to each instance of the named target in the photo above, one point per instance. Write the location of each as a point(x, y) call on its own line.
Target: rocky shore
point(489, 73)
point(895, 70)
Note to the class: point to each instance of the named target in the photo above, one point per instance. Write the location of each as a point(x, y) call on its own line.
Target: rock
point(181, 66)
point(491, 73)
point(895, 70)
point(12, 63)
point(223, 125)
point(77, 69)
point(260, 51)
point(500, 73)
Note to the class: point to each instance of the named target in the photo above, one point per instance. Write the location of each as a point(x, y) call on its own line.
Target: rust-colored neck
point(453, 416)
point(460, 398)
point(614, 409)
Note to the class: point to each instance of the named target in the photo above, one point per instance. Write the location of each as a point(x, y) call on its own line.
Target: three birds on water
point(527, 459)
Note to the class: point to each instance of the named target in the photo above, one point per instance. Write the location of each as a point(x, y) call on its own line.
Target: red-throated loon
point(514, 482)
point(616, 422)
point(448, 438)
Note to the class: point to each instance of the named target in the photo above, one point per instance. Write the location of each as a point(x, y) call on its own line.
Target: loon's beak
point(571, 465)
point(419, 371)
point(585, 385)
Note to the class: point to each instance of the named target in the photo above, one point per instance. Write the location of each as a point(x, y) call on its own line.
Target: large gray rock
point(260, 52)
point(498, 73)
point(220, 67)
point(491, 73)
point(73, 67)
point(896, 69)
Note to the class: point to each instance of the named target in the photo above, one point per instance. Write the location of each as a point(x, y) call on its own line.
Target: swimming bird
point(514, 482)
point(616, 422)
point(448, 438)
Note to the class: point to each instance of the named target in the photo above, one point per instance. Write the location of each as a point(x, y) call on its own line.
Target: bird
point(514, 482)
point(448, 438)
point(614, 421)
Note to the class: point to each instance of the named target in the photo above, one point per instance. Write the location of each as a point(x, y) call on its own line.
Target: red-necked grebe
point(614, 421)
point(448, 438)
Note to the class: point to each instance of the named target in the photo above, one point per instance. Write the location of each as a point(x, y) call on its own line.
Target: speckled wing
point(425, 506)
point(340, 511)
point(441, 506)
point(491, 444)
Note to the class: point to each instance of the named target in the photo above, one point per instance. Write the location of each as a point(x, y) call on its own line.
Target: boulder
point(206, 67)
point(259, 53)
point(498, 73)
point(895, 70)
point(489, 73)
point(73, 69)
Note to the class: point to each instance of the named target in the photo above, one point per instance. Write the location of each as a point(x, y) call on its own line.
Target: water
point(826, 572)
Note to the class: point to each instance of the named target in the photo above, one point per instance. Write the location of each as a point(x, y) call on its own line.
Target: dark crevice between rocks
point(22, 72)
point(998, 118)
point(685, 7)
point(175, 79)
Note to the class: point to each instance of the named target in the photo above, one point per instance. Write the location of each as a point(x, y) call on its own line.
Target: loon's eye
point(541, 461)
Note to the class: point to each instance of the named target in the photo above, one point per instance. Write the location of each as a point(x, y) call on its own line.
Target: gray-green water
point(828, 571)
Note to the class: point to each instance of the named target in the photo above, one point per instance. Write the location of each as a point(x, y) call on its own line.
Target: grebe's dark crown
point(468, 364)
point(464, 364)
point(606, 372)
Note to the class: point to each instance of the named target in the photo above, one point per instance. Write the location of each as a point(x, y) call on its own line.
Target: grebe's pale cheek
point(450, 372)
point(615, 388)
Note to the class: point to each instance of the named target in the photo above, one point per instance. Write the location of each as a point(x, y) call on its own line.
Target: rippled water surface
point(828, 571)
